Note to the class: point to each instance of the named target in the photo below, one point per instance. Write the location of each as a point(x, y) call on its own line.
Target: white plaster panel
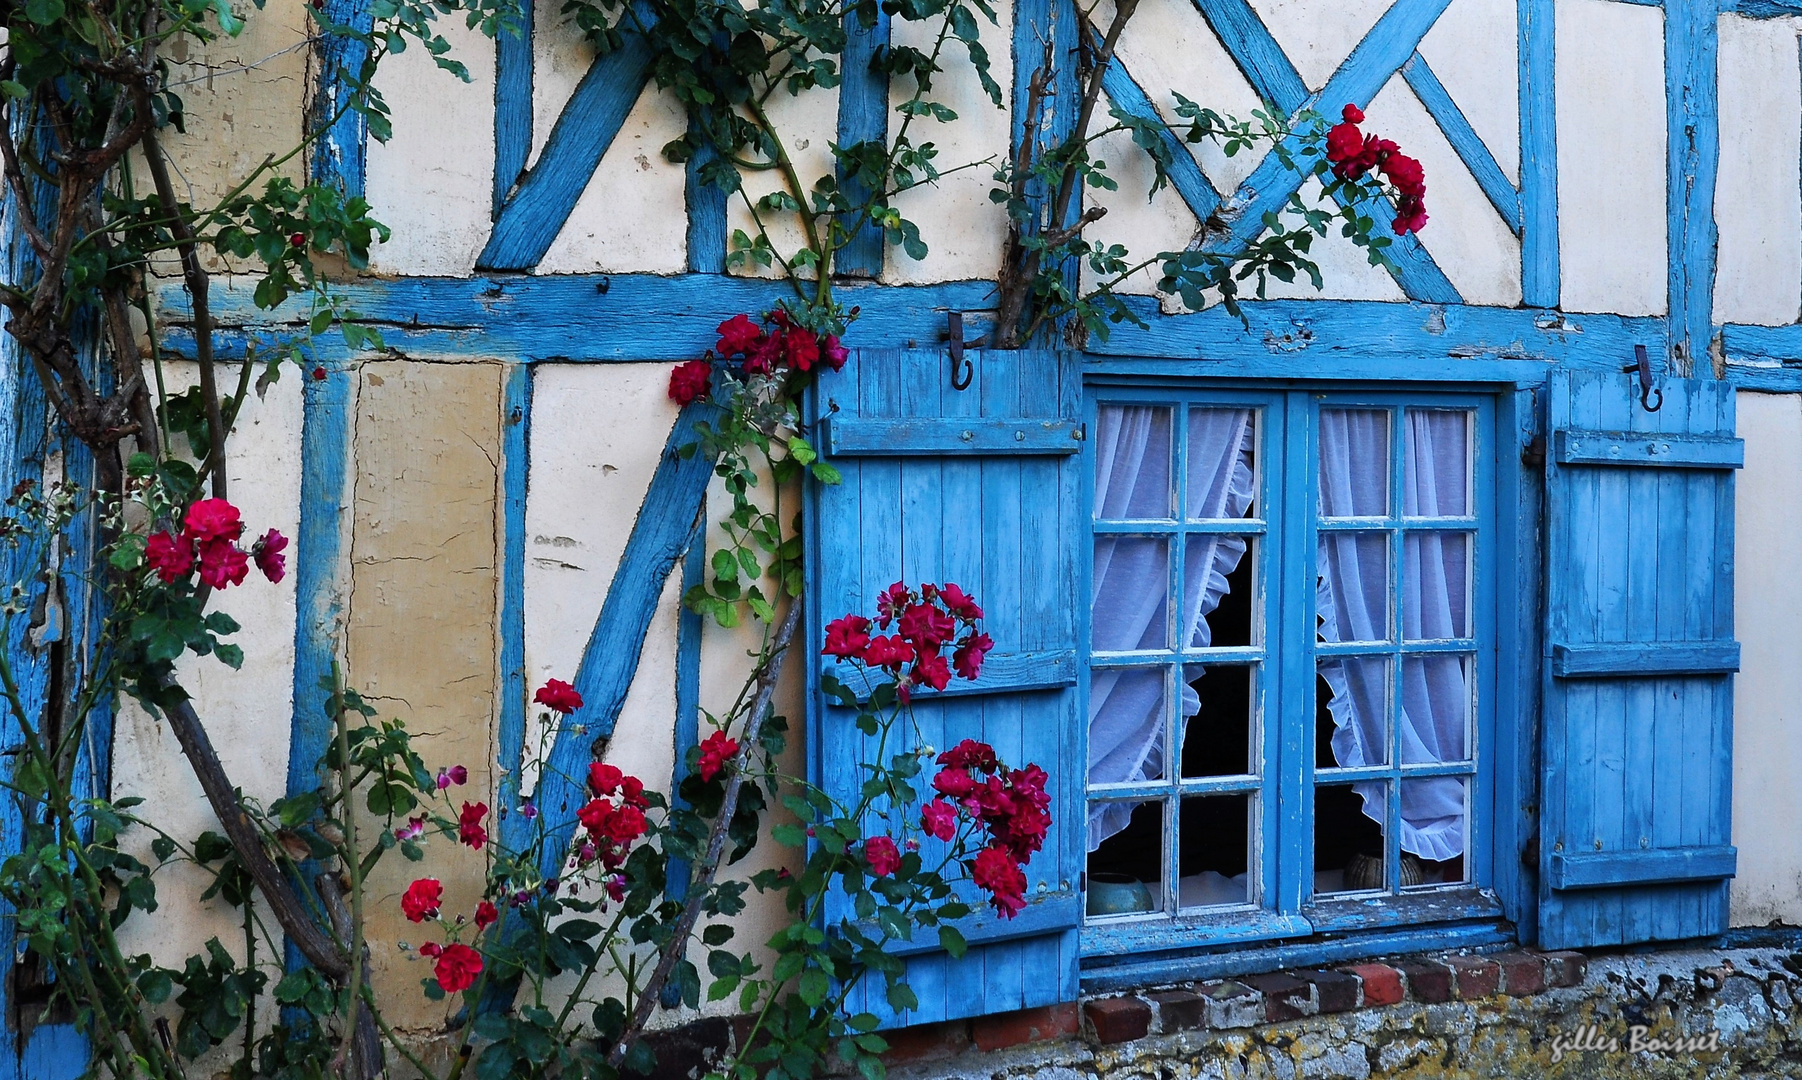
point(807, 122)
point(1611, 161)
point(1474, 49)
point(1465, 235)
point(1756, 202)
point(560, 57)
point(587, 482)
point(1318, 37)
point(1145, 226)
point(1345, 268)
point(1169, 49)
point(1767, 693)
point(632, 216)
point(963, 229)
point(432, 182)
point(247, 712)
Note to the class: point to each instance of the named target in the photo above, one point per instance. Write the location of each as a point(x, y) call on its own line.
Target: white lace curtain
point(1352, 594)
point(1131, 590)
point(1131, 583)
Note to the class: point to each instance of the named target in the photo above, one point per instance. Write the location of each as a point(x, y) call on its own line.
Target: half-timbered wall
point(464, 504)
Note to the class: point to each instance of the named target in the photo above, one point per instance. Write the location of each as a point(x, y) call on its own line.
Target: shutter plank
point(940, 437)
point(1638, 659)
point(1650, 449)
point(1654, 866)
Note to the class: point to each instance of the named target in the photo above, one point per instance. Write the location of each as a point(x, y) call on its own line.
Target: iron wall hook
point(962, 370)
point(1651, 398)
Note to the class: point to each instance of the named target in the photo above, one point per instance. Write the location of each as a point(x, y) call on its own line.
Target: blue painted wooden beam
point(1539, 271)
point(1693, 158)
point(1465, 140)
point(583, 317)
point(512, 103)
point(1033, 21)
point(1761, 9)
point(667, 523)
point(534, 214)
point(1384, 49)
point(516, 448)
point(862, 117)
point(1283, 332)
point(339, 157)
point(706, 205)
point(1185, 175)
point(689, 628)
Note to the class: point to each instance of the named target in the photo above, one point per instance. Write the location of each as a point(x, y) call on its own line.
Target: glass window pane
point(1216, 854)
point(1132, 585)
point(1435, 720)
point(1349, 853)
point(1127, 709)
point(1217, 738)
point(1436, 585)
point(1437, 465)
point(1132, 463)
point(1126, 870)
point(1354, 463)
point(1352, 593)
point(1435, 823)
point(1222, 463)
point(1351, 711)
point(1218, 578)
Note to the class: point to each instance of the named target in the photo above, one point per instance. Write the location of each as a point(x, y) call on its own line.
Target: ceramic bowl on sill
point(1118, 894)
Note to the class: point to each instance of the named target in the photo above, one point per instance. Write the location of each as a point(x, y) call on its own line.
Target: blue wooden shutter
point(1635, 842)
point(979, 487)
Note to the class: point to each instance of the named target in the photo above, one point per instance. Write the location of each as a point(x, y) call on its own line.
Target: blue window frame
point(1292, 663)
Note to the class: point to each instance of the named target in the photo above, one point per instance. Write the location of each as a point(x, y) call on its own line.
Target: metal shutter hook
point(962, 370)
point(1647, 392)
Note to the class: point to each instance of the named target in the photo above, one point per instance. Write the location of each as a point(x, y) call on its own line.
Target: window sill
point(1409, 909)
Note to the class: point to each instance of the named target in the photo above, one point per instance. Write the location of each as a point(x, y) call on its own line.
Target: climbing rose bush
point(776, 346)
point(1353, 153)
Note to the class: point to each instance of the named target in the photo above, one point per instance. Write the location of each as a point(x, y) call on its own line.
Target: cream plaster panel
point(632, 216)
point(432, 182)
point(807, 123)
point(1756, 206)
point(1170, 49)
point(1767, 694)
point(1316, 36)
point(1611, 163)
point(245, 99)
point(1474, 49)
point(422, 644)
point(964, 231)
point(1465, 235)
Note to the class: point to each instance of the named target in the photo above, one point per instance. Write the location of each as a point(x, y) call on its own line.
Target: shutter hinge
point(1533, 454)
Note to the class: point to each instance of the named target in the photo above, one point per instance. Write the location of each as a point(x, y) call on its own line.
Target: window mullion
point(1289, 713)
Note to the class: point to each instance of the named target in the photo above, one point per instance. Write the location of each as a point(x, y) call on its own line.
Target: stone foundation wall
point(1678, 1013)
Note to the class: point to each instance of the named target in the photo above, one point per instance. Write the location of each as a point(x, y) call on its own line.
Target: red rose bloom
point(1405, 173)
point(931, 670)
point(1343, 142)
point(689, 381)
point(801, 349)
point(469, 825)
point(954, 782)
point(715, 749)
point(833, 352)
point(890, 603)
point(171, 557)
point(737, 335)
point(847, 636)
point(970, 754)
point(420, 901)
point(1410, 216)
point(996, 872)
point(432, 949)
point(604, 779)
point(1352, 114)
point(457, 968)
point(269, 557)
point(880, 852)
point(486, 915)
point(222, 564)
point(213, 519)
point(939, 819)
point(961, 604)
point(925, 624)
point(887, 652)
point(558, 696)
point(969, 655)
